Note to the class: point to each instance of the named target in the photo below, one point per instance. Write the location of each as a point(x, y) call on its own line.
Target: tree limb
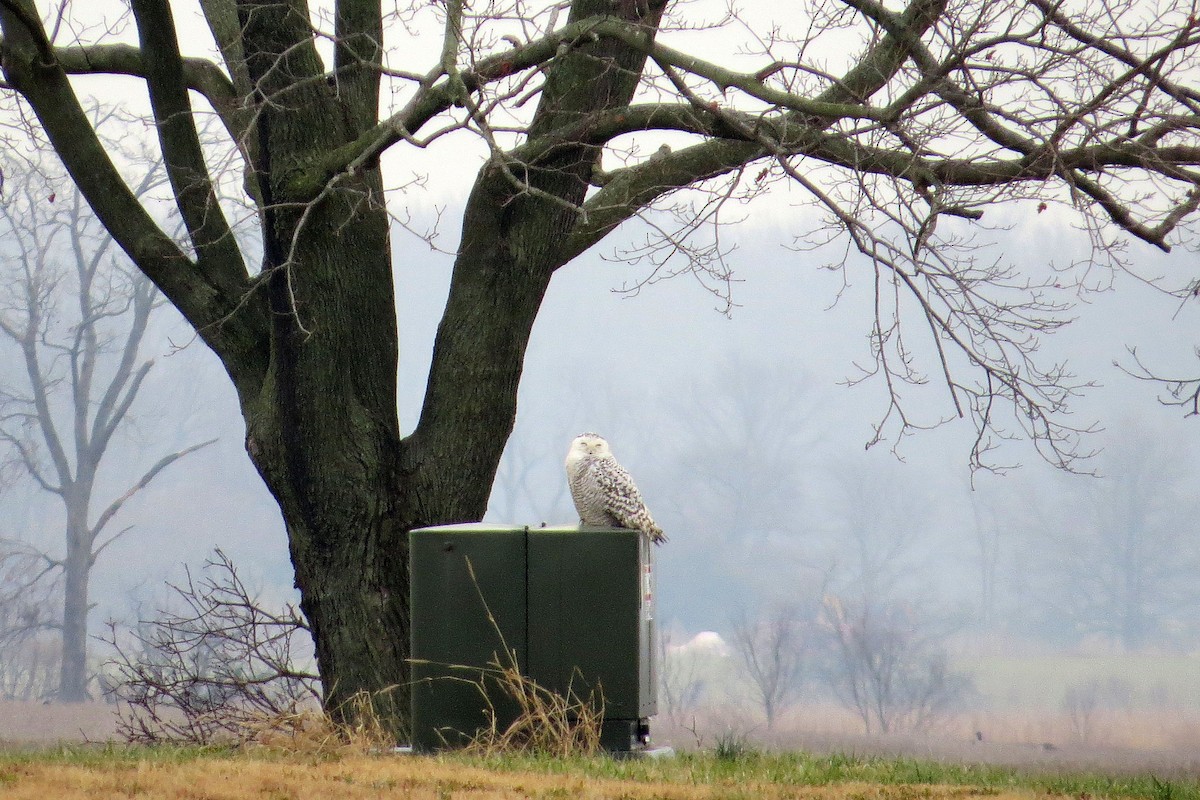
point(41, 403)
point(222, 19)
point(150, 474)
point(622, 198)
point(31, 466)
point(199, 75)
point(221, 310)
point(215, 246)
point(433, 97)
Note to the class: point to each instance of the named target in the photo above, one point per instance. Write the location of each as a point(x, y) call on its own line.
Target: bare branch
point(1183, 391)
point(215, 303)
point(638, 186)
point(115, 506)
point(222, 19)
point(214, 669)
point(199, 75)
point(217, 251)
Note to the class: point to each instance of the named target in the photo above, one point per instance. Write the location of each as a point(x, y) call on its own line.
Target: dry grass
point(1129, 729)
point(312, 732)
point(547, 723)
point(1164, 743)
point(350, 778)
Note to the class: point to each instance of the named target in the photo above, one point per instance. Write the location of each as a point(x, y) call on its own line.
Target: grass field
point(100, 773)
point(1140, 742)
point(1132, 680)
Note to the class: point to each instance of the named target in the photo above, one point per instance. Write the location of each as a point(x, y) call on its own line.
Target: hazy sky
point(630, 367)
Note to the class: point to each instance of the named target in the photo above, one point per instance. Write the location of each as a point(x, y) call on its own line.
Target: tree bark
point(311, 341)
point(322, 429)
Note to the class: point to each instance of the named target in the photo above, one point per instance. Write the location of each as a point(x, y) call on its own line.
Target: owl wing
point(623, 500)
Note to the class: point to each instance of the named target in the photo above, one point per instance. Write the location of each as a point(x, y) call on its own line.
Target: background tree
point(73, 314)
point(991, 529)
point(945, 109)
point(29, 662)
point(888, 670)
point(525, 487)
point(880, 515)
point(774, 649)
point(680, 679)
point(1135, 522)
point(742, 443)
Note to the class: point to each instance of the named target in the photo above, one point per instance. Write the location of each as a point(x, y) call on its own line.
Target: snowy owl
point(603, 491)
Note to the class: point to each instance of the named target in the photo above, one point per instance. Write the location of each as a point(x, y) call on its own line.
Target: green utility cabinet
point(574, 605)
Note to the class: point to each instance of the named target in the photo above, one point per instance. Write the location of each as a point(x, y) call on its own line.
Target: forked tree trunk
point(311, 343)
point(322, 425)
point(322, 431)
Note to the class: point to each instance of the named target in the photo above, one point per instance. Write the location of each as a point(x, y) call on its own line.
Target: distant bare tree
point(886, 671)
point(989, 528)
point(212, 669)
point(73, 315)
point(749, 436)
point(881, 511)
point(1080, 702)
point(679, 681)
point(1136, 524)
point(743, 448)
point(27, 589)
point(774, 649)
point(521, 489)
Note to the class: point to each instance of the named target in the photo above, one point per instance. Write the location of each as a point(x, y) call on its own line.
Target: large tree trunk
point(311, 343)
point(322, 426)
point(323, 432)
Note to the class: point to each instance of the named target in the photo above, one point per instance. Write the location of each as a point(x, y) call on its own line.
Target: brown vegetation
point(415, 777)
point(25, 722)
point(549, 723)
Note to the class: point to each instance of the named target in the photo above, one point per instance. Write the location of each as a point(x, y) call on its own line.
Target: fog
point(751, 451)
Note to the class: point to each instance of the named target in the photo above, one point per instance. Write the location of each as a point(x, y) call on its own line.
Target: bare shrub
point(886, 671)
point(29, 656)
point(216, 670)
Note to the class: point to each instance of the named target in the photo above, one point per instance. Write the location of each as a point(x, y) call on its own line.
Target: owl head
point(588, 444)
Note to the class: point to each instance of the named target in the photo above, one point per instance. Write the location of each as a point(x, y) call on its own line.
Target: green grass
point(745, 766)
point(802, 769)
point(90, 755)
